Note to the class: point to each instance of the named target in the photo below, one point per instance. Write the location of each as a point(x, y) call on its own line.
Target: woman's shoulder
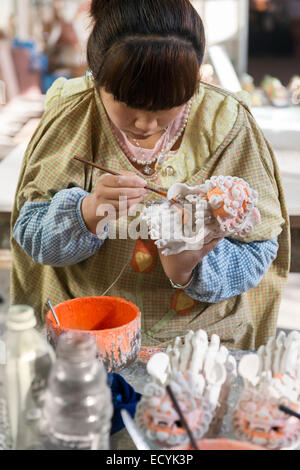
point(68, 88)
point(218, 96)
point(212, 99)
point(218, 111)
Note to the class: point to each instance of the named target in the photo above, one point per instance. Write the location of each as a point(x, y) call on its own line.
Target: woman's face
point(137, 123)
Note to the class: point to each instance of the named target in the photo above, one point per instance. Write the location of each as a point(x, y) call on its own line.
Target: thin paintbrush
point(182, 418)
point(107, 170)
point(288, 411)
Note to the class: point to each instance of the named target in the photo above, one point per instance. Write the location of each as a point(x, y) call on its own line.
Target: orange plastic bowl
point(115, 323)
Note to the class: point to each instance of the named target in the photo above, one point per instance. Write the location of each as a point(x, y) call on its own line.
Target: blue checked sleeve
point(230, 269)
point(54, 233)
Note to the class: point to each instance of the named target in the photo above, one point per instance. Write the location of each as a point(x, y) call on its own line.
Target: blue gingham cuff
point(54, 232)
point(230, 269)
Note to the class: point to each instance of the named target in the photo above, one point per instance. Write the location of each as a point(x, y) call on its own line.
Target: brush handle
point(107, 170)
point(288, 411)
point(182, 418)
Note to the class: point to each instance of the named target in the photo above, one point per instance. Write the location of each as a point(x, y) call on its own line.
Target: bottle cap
point(21, 317)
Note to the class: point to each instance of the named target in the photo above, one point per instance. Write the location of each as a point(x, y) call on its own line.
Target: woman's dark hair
point(147, 53)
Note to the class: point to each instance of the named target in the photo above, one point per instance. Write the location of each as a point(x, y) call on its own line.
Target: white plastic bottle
point(28, 364)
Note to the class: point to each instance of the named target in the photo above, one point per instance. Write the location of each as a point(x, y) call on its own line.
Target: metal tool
point(53, 311)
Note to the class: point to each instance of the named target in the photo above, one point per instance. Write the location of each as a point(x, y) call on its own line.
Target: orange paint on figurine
point(221, 211)
point(115, 323)
point(217, 191)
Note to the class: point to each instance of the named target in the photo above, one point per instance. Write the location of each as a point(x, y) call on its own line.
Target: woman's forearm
point(89, 211)
point(230, 269)
point(54, 233)
point(179, 268)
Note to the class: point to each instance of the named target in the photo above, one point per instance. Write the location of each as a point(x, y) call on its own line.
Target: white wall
point(226, 22)
point(7, 8)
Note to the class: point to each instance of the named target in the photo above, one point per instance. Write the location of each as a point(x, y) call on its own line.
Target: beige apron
point(221, 138)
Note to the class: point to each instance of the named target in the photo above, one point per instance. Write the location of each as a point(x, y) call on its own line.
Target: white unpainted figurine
point(200, 373)
point(271, 378)
point(223, 206)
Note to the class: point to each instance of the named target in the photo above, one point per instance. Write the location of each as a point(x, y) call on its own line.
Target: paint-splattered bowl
point(115, 323)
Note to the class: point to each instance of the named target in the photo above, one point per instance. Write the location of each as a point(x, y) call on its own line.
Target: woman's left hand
point(179, 267)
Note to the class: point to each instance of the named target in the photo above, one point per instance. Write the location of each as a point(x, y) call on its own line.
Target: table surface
point(137, 376)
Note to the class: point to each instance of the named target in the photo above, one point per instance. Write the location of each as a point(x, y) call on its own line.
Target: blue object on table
point(123, 396)
point(48, 80)
point(23, 44)
point(39, 62)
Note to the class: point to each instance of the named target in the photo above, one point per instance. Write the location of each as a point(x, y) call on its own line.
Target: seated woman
point(144, 112)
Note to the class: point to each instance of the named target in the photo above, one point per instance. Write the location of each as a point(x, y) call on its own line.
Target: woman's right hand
point(108, 190)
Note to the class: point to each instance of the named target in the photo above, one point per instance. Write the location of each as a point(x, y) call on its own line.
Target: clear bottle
point(78, 405)
point(28, 364)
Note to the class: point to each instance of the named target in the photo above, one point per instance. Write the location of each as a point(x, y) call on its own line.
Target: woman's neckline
point(137, 151)
point(117, 151)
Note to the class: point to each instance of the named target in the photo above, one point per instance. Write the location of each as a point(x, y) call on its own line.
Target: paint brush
point(107, 170)
point(182, 418)
point(288, 411)
point(53, 311)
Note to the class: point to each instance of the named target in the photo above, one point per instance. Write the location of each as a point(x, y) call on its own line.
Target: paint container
point(115, 323)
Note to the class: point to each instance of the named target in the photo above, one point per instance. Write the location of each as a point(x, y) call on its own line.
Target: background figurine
point(271, 378)
point(199, 372)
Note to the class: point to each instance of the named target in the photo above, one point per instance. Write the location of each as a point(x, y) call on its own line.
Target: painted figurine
point(271, 378)
point(257, 96)
point(294, 88)
point(222, 206)
point(277, 94)
point(199, 373)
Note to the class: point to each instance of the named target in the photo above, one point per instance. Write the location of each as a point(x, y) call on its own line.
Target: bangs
point(150, 74)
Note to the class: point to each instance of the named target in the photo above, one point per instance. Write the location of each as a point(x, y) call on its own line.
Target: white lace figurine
point(223, 206)
point(271, 378)
point(200, 373)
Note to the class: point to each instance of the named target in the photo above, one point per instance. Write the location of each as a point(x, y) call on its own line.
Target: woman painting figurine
point(143, 111)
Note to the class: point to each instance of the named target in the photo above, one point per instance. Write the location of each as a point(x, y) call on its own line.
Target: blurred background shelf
point(282, 129)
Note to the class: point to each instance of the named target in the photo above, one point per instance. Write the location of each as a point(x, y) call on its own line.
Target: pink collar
point(148, 154)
